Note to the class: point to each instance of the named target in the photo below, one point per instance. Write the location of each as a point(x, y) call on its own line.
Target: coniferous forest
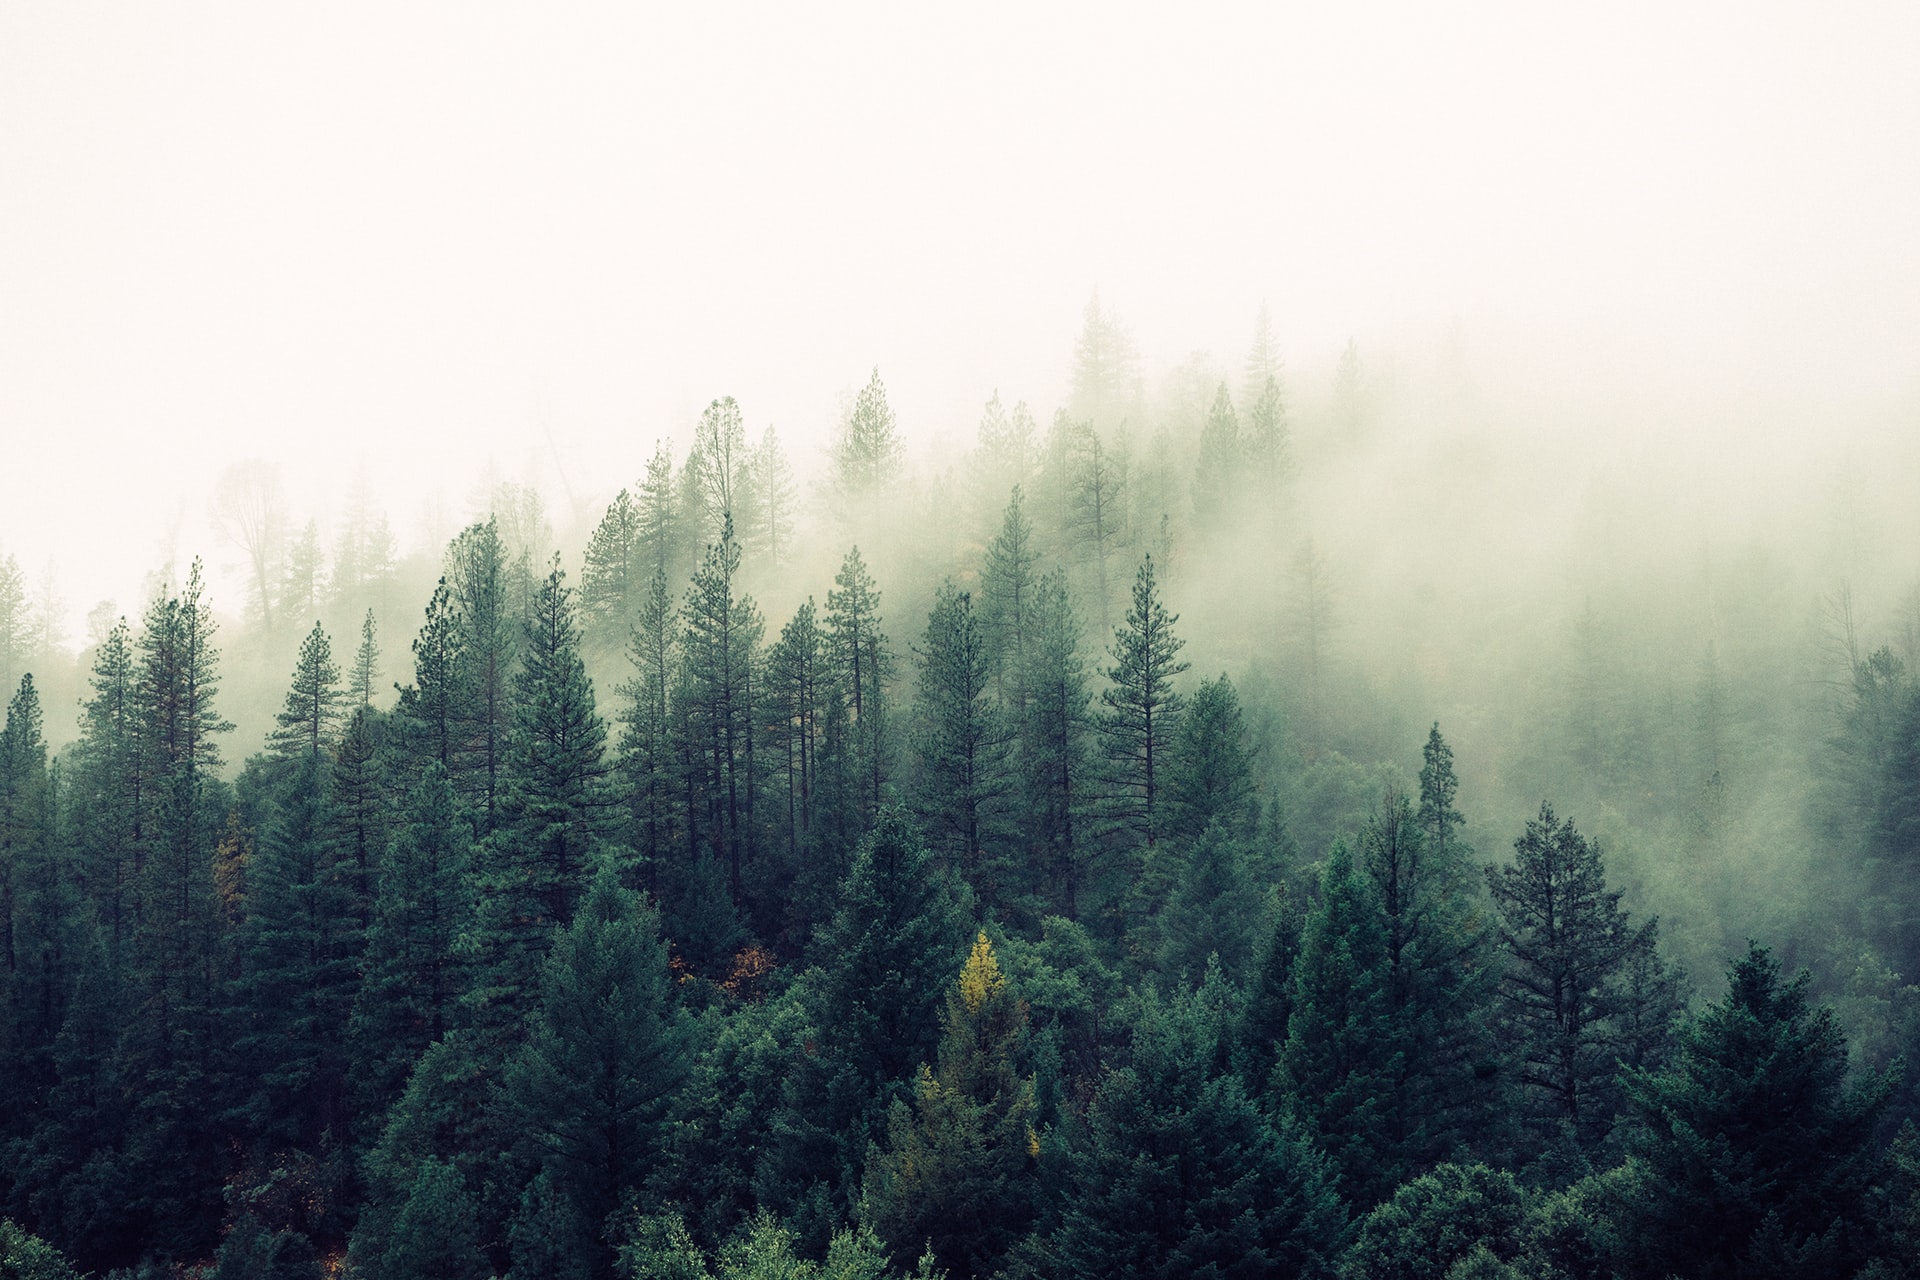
point(1081, 871)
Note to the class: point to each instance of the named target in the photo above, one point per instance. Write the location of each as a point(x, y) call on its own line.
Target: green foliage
point(1142, 709)
point(306, 725)
point(961, 741)
point(958, 1170)
point(1437, 1221)
point(1756, 1152)
point(592, 1089)
point(1180, 1174)
point(27, 1257)
point(1345, 1051)
point(1210, 769)
point(1053, 746)
point(433, 1237)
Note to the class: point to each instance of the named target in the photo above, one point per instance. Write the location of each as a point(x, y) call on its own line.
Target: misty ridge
point(1258, 816)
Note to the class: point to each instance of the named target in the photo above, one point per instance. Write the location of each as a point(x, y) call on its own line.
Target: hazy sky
point(400, 234)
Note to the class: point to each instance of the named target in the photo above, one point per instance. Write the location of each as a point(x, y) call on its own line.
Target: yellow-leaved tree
point(959, 1172)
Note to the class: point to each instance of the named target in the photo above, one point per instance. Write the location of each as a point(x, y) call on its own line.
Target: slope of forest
point(1090, 854)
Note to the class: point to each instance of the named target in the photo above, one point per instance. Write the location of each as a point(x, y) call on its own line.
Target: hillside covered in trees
point(1086, 853)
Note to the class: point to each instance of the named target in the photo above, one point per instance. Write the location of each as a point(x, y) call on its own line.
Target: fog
point(1632, 303)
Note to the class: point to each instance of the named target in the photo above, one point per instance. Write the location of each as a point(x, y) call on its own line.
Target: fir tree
point(722, 636)
point(366, 663)
point(430, 708)
point(646, 740)
point(1054, 747)
point(306, 724)
point(866, 455)
point(1222, 461)
point(480, 582)
point(607, 1051)
point(960, 741)
point(610, 581)
point(862, 663)
point(1008, 582)
point(1209, 770)
point(958, 1176)
point(1756, 1152)
point(1142, 709)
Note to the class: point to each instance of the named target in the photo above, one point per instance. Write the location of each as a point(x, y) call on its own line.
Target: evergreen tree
point(1568, 944)
point(434, 1237)
point(610, 581)
point(1105, 368)
point(302, 585)
point(863, 663)
point(723, 630)
point(657, 518)
point(720, 472)
point(112, 789)
point(1222, 462)
point(1180, 1174)
point(1756, 1153)
point(1008, 582)
point(1142, 709)
point(366, 664)
point(300, 948)
point(770, 478)
point(646, 741)
point(960, 741)
point(958, 1175)
point(414, 965)
point(430, 708)
point(16, 629)
point(558, 782)
point(359, 786)
point(866, 454)
point(480, 581)
point(306, 724)
point(1439, 820)
point(608, 1049)
point(1209, 770)
point(1095, 516)
point(1344, 1052)
point(1217, 906)
point(873, 1000)
point(1053, 750)
point(798, 690)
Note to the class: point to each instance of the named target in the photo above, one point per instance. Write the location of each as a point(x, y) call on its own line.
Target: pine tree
point(862, 663)
point(480, 583)
point(798, 688)
point(661, 545)
point(112, 789)
point(646, 740)
point(1095, 516)
point(1568, 945)
point(302, 585)
point(1344, 1052)
point(306, 725)
point(16, 631)
point(1209, 770)
point(1439, 820)
point(722, 636)
point(866, 454)
point(1179, 1173)
point(719, 466)
point(430, 708)
point(300, 948)
point(958, 1175)
point(1222, 462)
point(1105, 369)
point(366, 663)
point(558, 788)
point(771, 480)
point(1008, 581)
point(1756, 1152)
point(1053, 751)
point(415, 964)
point(608, 1049)
point(610, 581)
point(960, 740)
point(434, 1236)
point(1142, 709)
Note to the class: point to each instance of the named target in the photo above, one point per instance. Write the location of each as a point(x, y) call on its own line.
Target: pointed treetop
point(980, 978)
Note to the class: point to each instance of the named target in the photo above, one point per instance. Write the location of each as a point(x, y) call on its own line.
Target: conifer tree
point(1756, 1151)
point(302, 585)
point(429, 709)
point(1568, 945)
point(558, 784)
point(720, 644)
point(657, 517)
point(608, 1049)
point(719, 468)
point(1222, 460)
point(1344, 1052)
point(480, 586)
point(434, 1236)
point(958, 1176)
point(1008, 581)
point(414, 965)
point(610, 581)
point(771, 480)
point(798, 688)
point(862, 663)
point(646, 740)
point(1209, 770)
point(16, 630)
point(111, 789)
point(366, 664)
point(301, 948)
point(1054, 748)
point(1142, 709)
point(961, 740)
point(1179, 1173)
point(305, 725)
point(359, 787)
point(866, 454)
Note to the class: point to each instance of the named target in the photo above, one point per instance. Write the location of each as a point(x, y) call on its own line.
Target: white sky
point(393, 235)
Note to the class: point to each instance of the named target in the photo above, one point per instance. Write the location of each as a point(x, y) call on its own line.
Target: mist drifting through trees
point(992, 645)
